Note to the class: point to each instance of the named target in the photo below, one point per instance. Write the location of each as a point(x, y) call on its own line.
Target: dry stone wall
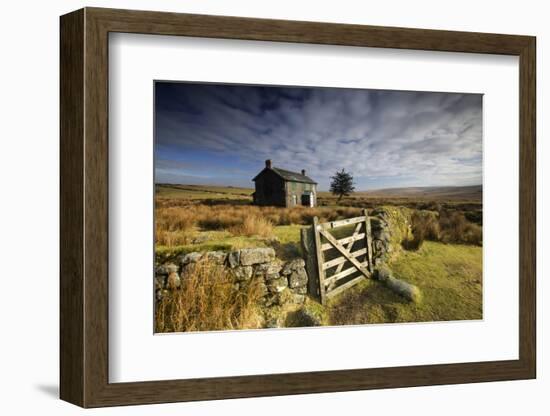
point(287, 281)
point(281, 281)
point(390, 227)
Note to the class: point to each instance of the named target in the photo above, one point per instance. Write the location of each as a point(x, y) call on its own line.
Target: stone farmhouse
point(283, 188)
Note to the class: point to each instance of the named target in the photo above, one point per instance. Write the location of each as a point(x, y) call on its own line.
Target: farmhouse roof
point(288, 175)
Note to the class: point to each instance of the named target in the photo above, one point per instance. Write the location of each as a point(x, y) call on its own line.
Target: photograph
point(307, 206)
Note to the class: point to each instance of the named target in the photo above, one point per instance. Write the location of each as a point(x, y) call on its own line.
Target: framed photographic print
point(256, 207)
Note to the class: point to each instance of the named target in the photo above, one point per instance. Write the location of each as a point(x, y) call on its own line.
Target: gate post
point(319, 258)
point(308, 249)
point(368, 240)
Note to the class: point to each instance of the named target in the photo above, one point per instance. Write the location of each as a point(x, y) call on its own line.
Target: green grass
point(448, 275)
point(286, 243)
point(288, 233)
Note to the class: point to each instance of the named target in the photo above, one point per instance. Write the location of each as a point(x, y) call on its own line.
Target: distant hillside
point(177, 191)
point(473, 192)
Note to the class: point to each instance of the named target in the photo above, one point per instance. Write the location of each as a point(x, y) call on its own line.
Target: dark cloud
point(386, 138)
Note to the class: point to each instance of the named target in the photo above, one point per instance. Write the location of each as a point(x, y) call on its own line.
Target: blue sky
point(217, 134)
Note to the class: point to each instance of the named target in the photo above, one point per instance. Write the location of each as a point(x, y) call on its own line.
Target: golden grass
point(173, 226)
point(424, 226)
point(456, 228)
point(171, 238)
point(219, 220)
point(444, 226)
point(254, 226)
point(208, 300)
point(176, 219)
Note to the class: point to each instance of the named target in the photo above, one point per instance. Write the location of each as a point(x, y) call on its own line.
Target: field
point(444, 260)
point(204, 218)
point(198, 192)
point(448, 275)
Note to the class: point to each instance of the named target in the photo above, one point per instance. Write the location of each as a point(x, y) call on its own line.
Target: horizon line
point(323, 190)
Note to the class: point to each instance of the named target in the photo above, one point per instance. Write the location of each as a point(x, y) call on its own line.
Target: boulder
point(217, 257)
point(271, 276)
point(233, 259)
point(242, 273)
point(293, 265)
point(300, 290)
point(404, 289)
point(190, 258)
point(382, 273)
point(277, 285)
point(298, 278)
point(251, 256)
point(271, 269)
point(162, 270)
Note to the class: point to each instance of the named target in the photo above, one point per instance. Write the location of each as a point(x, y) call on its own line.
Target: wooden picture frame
point(84, 207)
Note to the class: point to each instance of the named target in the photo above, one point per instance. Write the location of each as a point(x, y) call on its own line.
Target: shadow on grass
point(286, 251)
point(371, 302)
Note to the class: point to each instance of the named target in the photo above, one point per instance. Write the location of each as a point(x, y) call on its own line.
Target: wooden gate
point(338, 254)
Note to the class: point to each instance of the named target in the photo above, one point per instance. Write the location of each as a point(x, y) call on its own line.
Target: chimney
point(268, 163)
point(303, 172)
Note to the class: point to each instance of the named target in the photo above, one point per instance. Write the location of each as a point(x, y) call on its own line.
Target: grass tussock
point(209, 300)
point(444, 226)
point(424, 226)
point(219, 221)
point(176, 220)
point(456, 228)
point(171, 238)
point(254, 226)
point(173, 226)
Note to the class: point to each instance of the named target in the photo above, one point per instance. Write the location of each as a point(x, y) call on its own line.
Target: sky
point(220, 134)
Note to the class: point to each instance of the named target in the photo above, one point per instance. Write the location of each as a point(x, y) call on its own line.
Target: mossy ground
point(448, 275)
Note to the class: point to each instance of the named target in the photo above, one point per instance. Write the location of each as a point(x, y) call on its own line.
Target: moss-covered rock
point(390, 226)
point(404, 289)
